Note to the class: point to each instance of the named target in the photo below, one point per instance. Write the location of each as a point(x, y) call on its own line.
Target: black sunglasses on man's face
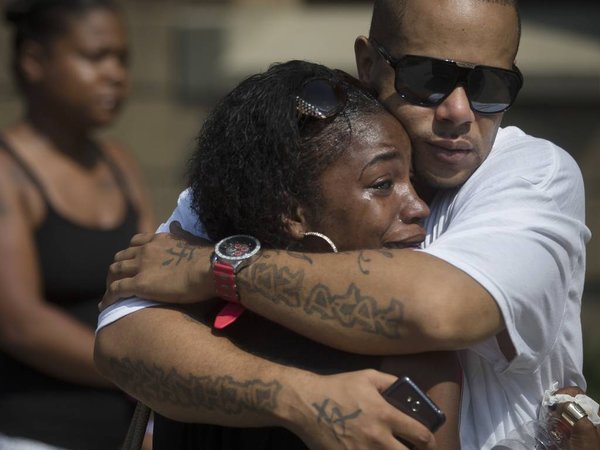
point(426, 81)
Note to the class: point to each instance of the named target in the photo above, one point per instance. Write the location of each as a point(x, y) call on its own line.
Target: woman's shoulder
point(13, 170)
point(131, 174)
point(123, 160)
point(19, 194)
point(8, 169)
point(118, 152)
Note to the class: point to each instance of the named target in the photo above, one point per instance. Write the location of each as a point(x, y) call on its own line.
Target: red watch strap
point(225, 282)
point(228, 315)
point(227, 290)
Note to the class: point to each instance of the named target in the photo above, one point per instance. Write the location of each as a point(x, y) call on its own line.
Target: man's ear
point(364, 54)
point(297, 223)
point(32, 60)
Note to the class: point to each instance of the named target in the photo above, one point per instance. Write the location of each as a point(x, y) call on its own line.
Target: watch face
point(239, 247)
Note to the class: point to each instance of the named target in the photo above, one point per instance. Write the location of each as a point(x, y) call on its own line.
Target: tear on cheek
point(367, 195)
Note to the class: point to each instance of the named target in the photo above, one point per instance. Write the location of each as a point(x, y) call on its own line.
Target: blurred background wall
point(188, 53)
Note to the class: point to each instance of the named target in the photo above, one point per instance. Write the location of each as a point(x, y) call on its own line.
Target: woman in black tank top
point(68, 203)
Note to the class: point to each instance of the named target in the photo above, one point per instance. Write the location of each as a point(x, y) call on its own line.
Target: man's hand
point(171, 267)
point(584, 435)
point(348, 412)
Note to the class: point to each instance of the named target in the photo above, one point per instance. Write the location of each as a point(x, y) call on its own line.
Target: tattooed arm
point(211, 380)
point(371, 301)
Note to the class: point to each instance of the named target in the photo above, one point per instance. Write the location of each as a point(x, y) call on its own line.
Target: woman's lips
point(403, 244)
point(110, 102)
point(408, 240)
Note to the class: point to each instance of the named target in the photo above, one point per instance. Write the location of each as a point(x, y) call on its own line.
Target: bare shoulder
point(12, 177)
point(20, 201)
point(119, 153)
point(126, 163)
point(134, 179)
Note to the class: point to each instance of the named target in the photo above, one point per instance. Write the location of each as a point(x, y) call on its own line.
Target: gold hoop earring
point(324, 237)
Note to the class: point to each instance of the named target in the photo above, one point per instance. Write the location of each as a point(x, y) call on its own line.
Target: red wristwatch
point(230, 256)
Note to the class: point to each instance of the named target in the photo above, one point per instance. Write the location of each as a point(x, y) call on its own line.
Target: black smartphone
point(405, 395)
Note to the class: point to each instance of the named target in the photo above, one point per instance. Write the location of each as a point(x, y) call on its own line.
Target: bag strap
point(137, 428)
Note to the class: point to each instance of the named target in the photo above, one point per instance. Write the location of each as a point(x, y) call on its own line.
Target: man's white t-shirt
point(516, 226)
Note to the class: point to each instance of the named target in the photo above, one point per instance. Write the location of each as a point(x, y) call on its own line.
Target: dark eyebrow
point(384, 156)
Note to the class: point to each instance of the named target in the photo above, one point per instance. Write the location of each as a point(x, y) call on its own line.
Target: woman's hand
point(168, 267)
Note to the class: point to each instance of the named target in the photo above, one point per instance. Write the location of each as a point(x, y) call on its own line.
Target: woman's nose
point(116, 69)
point(414, 208)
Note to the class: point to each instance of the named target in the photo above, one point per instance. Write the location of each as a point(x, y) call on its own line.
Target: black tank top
point(73, 261)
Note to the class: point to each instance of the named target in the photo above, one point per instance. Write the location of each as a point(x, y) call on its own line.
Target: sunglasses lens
point(428, 81)
point(424, 80)
point(323, 98)
point(492, 90)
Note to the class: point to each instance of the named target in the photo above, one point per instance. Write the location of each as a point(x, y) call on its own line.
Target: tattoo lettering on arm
point(222, 393)
point(330, 413)
point(279, 285)
point(300, 256)
point(351, 309)
point(181, 252)
point(363, 259)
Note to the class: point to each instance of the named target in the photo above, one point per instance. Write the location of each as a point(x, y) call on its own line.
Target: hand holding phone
point(405, 395)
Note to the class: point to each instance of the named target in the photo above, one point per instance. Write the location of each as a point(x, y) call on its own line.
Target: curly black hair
point(257, 158)
point(43, 21)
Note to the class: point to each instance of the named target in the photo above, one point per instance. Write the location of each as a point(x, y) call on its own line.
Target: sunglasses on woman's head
point(321, 98)
point(426, 81)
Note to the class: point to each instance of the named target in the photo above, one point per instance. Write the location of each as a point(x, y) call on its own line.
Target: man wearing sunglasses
point(502, 272)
